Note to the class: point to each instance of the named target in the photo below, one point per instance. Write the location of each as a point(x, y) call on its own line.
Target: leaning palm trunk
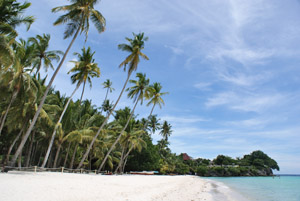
point(57, 154)
point(29, 150)
point(73, 156)
point(13, 144)
point(13, 98)
point(103, 124)
point(121, 159)
point(132, 146)
point(56, 127)
point(13, 161)
point(66, 158)
point(82, 92)
point(118, 138)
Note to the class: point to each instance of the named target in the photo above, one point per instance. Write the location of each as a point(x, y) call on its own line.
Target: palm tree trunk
point(13, 144)
point(57, 154)
point(103, 124)
point(56, 126)
point(13, 161)
point(132, 146)
point(117, 140)
point(118, 169)
point(20, 160)
point(73, 156)
point(82, 91)
point(13, 98)
point(124, 164)
point(66, 158)
point(30, 150)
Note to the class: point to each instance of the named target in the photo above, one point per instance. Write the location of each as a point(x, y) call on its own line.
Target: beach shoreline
point(69, 186)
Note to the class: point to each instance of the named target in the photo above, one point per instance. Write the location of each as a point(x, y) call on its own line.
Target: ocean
point(279, 188)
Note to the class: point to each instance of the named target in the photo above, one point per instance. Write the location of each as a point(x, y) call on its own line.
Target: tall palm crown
point(141, 89)
point(41, 55)
point(166, 130)
point(78, 14)
point(107, 85)
point(134, 48)
point(11, 17)
point(156, 95)
point(85, 68)
point(154, 123)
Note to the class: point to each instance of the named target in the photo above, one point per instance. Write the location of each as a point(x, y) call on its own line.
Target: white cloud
point(182, 119)
point(247, 102)
point(203, 86)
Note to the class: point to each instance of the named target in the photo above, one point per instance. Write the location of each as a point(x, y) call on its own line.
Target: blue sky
point(231, 68)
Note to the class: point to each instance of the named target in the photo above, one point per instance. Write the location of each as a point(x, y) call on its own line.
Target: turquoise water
point(283, 188)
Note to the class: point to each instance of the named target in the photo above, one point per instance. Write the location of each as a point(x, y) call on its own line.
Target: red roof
point(186, 157)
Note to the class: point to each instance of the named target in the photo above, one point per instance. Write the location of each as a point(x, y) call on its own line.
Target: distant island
point(255, 164)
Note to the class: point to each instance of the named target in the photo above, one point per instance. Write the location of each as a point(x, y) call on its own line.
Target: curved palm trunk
point(13, 144)
point(56, 126)
point(13, 98)
point(13, 161)
point(118, 169)
point(82, 91)
point(30, 150)
point(103, 124)
point(132, 146)
point(73, 156)
point(66, 158)
point(117, 140)
point(57, 154)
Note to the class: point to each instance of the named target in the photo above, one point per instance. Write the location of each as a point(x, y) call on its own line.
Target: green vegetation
point(41, 127)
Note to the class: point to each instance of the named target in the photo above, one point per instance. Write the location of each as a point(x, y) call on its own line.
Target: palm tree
point(77, 17)
point(155, 94)
point(107, 85)
point(41, 55)
point(130, 138)
point(11, 17)
point(17, 77)
point(84, 70)
point(107, 106)
point(132, 60)
point(154, 123)
point(166, 130)
point(138, 92)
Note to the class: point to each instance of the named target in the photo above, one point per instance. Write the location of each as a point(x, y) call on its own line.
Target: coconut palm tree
point(166, 130)
point(78, 15)
point(155, 99)
point(85, 69)
point(41, 55)
point(107, 106)
point(154, 123)
point(130, 138)
point(135, 47)
point(17, 76)
point(107, 85)
point(11, 16)
point(138, 92)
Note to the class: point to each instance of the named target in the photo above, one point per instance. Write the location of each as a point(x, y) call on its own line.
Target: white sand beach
point(47, 186)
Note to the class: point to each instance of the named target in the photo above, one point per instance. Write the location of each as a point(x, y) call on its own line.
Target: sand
point(46, 186)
